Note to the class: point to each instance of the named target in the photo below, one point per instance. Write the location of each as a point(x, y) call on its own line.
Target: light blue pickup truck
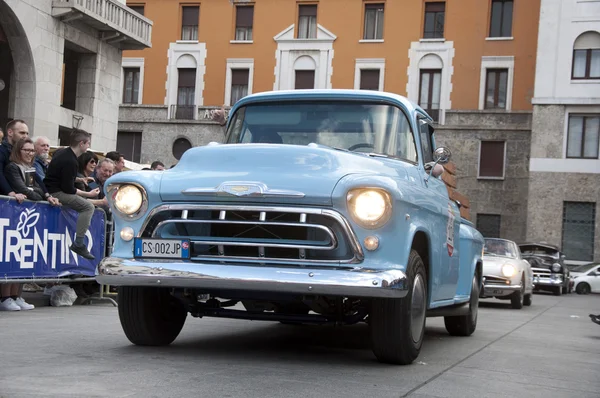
point(322, 207)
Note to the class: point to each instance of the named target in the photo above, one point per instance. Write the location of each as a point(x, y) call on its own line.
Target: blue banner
point(35, 239)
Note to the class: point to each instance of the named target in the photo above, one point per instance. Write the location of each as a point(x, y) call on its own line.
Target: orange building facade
point(478, 54)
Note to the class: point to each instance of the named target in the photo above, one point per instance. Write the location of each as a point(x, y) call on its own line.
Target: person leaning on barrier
point(119, 160)
point(104, 171)
point(60, 181)
point(42, 148)
point(86, 168)
point(20, 173)
point(15, 130)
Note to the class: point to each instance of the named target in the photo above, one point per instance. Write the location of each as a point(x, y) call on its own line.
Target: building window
point(307, 21)
point(64, 136)
point(586, 56)
point(139, 8)
point(189, 23)
point(491, 159)
point(180, 146)
point(239, 84)
point(129, 143)
point(373, 22)
point(489, 225)
point(243, 22)
point(501, 19)
point(583, 136)
point(430, 91)
point(496, 83)
point(186, 94)
point(131, 85)
point(579, 220)
point(305, 79)
point(434, 20)
point(369, 79)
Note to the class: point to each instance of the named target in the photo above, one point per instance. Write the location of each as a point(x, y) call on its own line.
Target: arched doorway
point(17, 69)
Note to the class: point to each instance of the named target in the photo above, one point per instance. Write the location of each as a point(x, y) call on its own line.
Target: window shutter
point(239, 77)
point(491, 161)
point(435, 7)
point(308, 11)
point(305, 79)
point(244, 16)
point(369, 79)
point(187, 78)
point(190, 16)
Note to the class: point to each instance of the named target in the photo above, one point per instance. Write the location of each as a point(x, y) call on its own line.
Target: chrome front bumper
point(498, 289)
point(537, 281)
point(358, 282)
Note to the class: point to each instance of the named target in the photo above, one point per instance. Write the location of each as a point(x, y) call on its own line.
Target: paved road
point(551, 349)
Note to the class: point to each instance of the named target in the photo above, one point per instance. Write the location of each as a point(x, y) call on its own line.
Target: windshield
point(499, 247)
point(357, 127)
point(584, 267)
point(538, 250)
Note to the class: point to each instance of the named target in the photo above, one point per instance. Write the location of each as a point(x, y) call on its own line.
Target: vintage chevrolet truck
point(322, 207)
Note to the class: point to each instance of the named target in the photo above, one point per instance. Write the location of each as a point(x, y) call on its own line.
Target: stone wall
point(462, 133)
point(159, 133)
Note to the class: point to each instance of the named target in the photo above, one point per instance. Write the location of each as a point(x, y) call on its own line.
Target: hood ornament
point(244, 189)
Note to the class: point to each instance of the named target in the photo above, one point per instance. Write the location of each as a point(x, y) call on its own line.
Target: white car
point(506, 275)
point(587, 278)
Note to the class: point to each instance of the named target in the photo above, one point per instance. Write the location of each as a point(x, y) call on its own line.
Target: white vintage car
point(505, 274)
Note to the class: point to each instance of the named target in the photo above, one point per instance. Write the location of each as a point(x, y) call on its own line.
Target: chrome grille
point(541, 272)
point(241, 233)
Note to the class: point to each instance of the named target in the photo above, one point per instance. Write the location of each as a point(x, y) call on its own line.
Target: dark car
point(548, 265)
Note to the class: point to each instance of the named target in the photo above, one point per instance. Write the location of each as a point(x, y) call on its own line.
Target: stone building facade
point(564, 167)
point(61, 65)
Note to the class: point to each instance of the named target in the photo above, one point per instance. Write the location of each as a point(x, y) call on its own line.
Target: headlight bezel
point(114, 189)
point(382, 220)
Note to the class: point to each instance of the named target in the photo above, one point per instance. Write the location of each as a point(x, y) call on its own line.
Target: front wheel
point(465, 325)
point(398, 325)
point(517, 298)
point(557, 290)
point(150, 315)
point(528, 299)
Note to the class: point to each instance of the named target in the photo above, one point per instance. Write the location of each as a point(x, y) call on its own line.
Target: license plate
point(496, 291)
point(162, 248)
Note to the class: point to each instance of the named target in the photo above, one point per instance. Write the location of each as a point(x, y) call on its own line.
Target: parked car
point(505, 274)
point(548, 265)
point(321, 207)
point(586, 278)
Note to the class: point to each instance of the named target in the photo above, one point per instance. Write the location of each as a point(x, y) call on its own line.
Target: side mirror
point(442, 155)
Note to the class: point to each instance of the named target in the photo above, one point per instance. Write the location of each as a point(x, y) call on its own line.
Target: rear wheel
point(150, 316)
point(398, 325)
point(465, 325)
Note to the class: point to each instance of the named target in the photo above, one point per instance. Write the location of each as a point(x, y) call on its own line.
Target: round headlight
point(128, 199)
point(371, 208)
point(508, 270)
point(555, 267)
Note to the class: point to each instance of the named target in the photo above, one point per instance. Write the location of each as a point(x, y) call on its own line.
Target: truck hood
point(265, 173)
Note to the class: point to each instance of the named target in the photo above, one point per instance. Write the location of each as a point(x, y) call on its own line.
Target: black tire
point(150, 316)
point(528, 299)
point(583, 288)
point(391, 320)
point(565, 290)
point(465, 325)
point(557, 291)
point(516, 300)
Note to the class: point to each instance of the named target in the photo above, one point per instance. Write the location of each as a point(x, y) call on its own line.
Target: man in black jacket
point(15, 130)
point(60, 182)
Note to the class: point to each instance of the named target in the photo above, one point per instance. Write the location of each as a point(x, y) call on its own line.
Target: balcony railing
point(116, 22)
point(182, 112)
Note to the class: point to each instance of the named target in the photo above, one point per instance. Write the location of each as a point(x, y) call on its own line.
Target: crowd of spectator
point(74, 178)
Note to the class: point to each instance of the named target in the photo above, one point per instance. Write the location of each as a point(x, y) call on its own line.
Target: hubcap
point(417, 308)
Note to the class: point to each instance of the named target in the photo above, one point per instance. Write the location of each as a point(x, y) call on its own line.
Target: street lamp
point(77, 119)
